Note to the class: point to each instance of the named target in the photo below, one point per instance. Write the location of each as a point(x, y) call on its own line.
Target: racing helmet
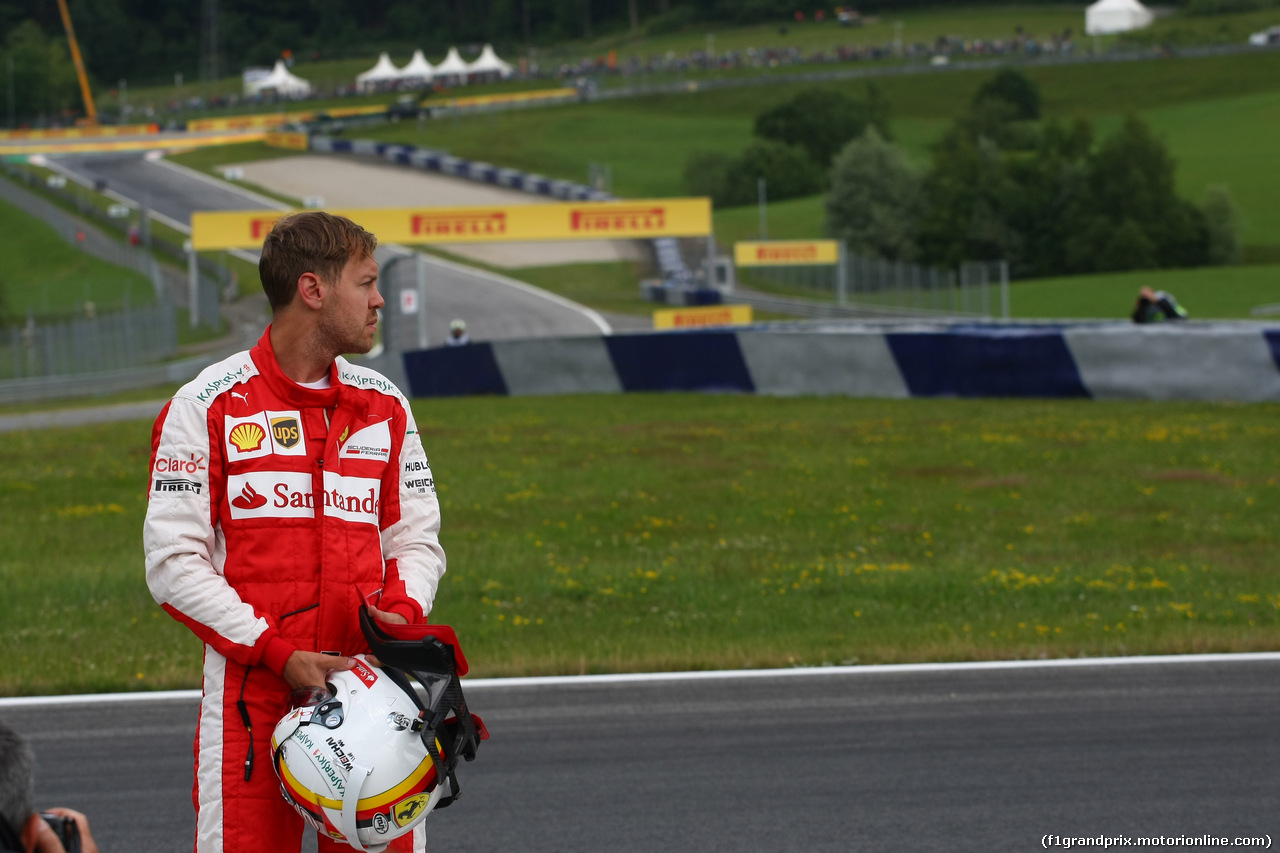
point(366, 759)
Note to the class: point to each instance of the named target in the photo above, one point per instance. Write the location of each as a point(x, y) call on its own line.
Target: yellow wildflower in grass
point(86, 510)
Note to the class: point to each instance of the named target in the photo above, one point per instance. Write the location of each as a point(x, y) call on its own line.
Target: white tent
point(281, 80)
point(383, 71)
point(1116, 16)
point(452, 66)
point(489, 63)
point(418, 69)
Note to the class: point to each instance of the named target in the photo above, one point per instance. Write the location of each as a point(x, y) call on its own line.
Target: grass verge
point(1210, 293)
point(40, 273)
point(668, 532)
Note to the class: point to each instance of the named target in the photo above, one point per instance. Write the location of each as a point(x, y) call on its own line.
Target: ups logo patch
point(286, 432)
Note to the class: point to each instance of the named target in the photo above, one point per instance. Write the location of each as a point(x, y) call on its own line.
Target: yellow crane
point(91, 112)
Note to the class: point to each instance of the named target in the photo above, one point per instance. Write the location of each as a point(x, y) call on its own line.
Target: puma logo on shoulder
point(244, 397)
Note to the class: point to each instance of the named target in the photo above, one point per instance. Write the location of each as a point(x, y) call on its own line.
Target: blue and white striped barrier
point(1105, 361)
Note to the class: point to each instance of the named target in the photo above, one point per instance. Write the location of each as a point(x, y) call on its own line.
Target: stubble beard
point(333, 340)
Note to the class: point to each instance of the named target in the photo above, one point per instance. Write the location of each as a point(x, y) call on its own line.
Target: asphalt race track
point(494, 310)
point(942, 759)
point(167, 191)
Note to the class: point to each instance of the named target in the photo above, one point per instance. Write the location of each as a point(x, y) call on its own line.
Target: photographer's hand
point(47, 842)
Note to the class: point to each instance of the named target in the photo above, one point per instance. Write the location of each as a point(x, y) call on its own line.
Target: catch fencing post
point(842, 274)
point(193, 285)
point(420, 268)
point(1004, 289)
point(764, 216)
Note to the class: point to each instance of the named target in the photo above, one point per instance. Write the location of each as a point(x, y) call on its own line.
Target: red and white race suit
point(275, 510)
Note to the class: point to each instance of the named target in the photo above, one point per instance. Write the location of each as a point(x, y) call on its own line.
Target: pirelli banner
point(609, 220)
point(786, 253)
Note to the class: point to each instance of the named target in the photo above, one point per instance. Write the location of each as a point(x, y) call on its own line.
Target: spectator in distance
point(1154, 306)
point(458, 334)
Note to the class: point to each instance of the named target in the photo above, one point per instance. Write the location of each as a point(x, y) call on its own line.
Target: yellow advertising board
point(294, 141)
point(504, 98)
point(259, 121)
point(80, 132)
point(698, 318)
point(587, 220)
point(167, 142)
point(787, 253)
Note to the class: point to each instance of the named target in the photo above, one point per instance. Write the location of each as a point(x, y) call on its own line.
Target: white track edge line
point(713, 675)
point(601, 323)
point(221, 184)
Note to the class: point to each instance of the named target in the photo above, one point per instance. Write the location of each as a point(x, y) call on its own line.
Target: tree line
point(1050, 197)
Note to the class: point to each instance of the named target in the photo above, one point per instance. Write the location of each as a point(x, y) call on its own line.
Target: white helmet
point(363, 761)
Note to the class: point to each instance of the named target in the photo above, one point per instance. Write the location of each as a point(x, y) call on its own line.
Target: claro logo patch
point(263, 434)
point(290, 494)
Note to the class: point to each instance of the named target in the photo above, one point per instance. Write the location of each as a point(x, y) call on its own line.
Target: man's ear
point(311, 290)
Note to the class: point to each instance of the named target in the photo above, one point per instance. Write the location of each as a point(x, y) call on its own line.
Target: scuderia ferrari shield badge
point(286, 431)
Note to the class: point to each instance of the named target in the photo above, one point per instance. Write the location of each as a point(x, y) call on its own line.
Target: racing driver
point(287, 487)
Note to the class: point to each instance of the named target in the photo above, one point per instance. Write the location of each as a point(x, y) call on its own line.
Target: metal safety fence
point(976, 289)
point(123, 339)
point(169, 283)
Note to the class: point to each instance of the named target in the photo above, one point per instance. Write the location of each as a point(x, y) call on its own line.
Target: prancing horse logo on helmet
point(406, 810)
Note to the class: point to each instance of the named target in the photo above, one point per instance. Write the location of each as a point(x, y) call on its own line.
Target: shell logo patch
point(247, 437)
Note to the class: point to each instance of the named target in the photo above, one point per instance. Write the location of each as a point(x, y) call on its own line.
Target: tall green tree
point(969, 195)
point(876, 199)
point(1014, 88)
point(822, 121)
point(1136, 219)
point(44, 80)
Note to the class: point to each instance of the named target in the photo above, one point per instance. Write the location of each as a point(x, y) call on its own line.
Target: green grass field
point(1213, 293)
point(40, 272)
point(655, 532)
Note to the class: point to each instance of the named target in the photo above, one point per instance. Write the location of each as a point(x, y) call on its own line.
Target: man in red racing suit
point(287, 486)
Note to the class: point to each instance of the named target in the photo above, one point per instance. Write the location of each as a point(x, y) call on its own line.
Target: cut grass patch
point(40, 273)
point(671, 532)
point(1214, 293)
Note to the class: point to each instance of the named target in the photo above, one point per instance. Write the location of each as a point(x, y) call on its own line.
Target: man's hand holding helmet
point(310, 669)
point(385, 616)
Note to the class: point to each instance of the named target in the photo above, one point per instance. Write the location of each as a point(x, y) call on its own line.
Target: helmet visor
point(309, 697)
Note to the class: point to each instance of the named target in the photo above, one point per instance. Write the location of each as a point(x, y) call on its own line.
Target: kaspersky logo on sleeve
point(263, 434)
